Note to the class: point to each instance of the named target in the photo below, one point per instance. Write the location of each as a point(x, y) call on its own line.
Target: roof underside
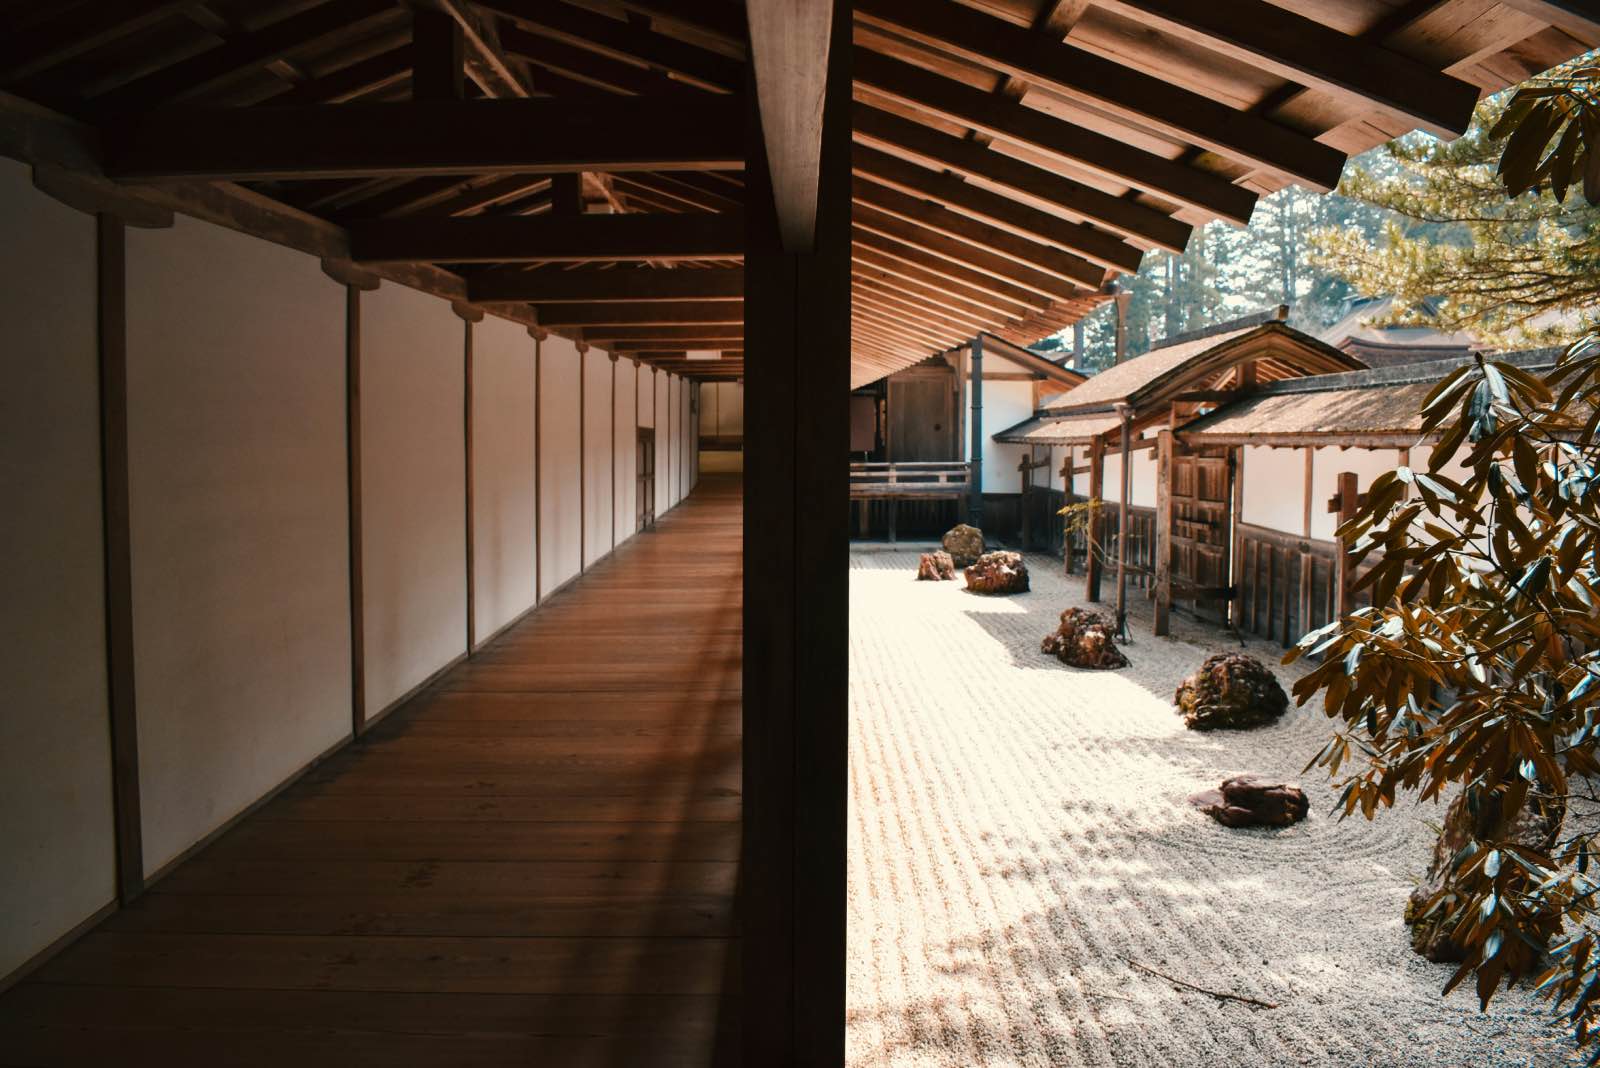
point(1011, 156)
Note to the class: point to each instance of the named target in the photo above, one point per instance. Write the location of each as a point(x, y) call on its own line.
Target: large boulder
point(1230, 691)
point(964, 544)
point(1001, 572)
point(1536, 827)
point(932, 567)
point(1084, 639)
point(1251, 801)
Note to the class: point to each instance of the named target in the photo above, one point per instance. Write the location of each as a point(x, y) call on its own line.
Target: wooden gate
point(1201, 500)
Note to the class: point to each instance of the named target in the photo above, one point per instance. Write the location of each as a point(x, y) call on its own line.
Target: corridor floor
point(533, 863)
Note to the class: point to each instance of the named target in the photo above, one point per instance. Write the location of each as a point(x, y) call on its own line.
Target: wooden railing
point(921, 480)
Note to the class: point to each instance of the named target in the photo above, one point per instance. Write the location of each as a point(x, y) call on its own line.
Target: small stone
point(1230, 691)
point(1001, 572)
point(932, 567)
point(1084, 639)
point(1251, 801)
point(964, 544)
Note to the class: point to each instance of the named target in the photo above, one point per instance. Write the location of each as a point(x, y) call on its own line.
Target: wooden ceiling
point(577, 164)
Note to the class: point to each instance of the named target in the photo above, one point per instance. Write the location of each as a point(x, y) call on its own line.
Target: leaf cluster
point(1552, 136)
point(1477, 665)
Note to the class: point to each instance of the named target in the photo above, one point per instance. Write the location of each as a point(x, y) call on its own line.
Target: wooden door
point(645, 465)
point(1202, 500)
point(922, 416)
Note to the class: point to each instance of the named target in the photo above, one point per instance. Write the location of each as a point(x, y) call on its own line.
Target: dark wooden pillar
point(796, 602)
point(1094, 529)
point(975, 498)
point(128, 824)
point(1163, 605)
point(1346, 501)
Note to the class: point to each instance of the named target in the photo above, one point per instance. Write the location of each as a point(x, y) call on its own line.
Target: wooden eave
point(1012, 156)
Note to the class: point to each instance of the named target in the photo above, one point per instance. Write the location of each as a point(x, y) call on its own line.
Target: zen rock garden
point(964, 544)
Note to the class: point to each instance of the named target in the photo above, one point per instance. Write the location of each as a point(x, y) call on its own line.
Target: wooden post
point(1163, 598)
point(127, 825)
point(796, 599)
point(1026, 468)
point(538, 464)
point(1236, 562)
point(1344, 503)
point(1124, 491)
point(1097, 476)
point(1066, 502)
point(975, 496)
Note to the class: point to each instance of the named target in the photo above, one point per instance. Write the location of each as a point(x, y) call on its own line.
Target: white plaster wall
point(647, 402)
point(502, 474)
point(664, 461)
point(236, 436)
point(722, 408)
point(413, 489)
point(1274, 489)
point(691, 437)
point(597, 453)
point(1004, 404)
point(560, 488)
point(626, 517)
point(1142, 462)
point(1325, 469)
point(1111, 489)
point(56, 849)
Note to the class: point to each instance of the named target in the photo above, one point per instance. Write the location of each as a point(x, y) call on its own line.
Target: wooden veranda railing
point(926, 480)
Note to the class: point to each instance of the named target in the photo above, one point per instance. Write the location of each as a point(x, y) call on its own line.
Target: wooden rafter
point(428, 137)
point(549, 238)
point(622, 284)
point(1144, 98)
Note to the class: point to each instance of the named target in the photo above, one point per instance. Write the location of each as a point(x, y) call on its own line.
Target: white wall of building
point(560, 485)
point(597, 445)
point(625, 518)
point(239, 522)
point(413, 490)
point(503, 432)
point(57, 865)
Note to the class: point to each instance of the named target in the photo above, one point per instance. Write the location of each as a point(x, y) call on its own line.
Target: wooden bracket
point(347, 273)
point(95, 197)
point(466, 311)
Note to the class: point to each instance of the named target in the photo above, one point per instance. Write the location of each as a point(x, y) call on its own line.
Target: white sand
point(1020, 828)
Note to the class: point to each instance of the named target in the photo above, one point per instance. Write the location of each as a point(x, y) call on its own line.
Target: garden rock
point(1536, 828)
point(1230, 691)
point(1251, 801)
point(932, 567)
point(964, 544)
point(1002, 572)
point(1085, 639)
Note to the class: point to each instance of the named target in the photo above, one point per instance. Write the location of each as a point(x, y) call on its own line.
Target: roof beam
point(1144, 99)
point(486, 62)
point(80, 31)
point(1143, 224)
point(659, 337)
point(901, 262)
point(548, 238)
point(1100, 246)
point(643, 313)
point(789, 56)
point(428, 137)
point(988, 238)
point(1307, 52)
point(950, 266)
point(246, 52)
point(1004, 118)
point(622, 40)
point(507, 284)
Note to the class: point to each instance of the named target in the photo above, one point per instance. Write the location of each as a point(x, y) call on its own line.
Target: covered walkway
point(534, 862)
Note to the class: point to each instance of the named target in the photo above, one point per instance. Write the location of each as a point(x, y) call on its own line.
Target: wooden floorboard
point(534, 863)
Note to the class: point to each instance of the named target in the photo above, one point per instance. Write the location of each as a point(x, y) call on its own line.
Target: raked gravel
point(1019, 833)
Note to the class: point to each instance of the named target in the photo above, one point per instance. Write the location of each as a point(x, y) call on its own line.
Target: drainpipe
point(975, 491)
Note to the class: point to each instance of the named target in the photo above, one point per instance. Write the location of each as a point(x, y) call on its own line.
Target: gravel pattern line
point(1019, 831)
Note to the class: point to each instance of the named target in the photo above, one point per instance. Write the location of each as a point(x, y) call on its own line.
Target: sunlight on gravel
point(1020, 840)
